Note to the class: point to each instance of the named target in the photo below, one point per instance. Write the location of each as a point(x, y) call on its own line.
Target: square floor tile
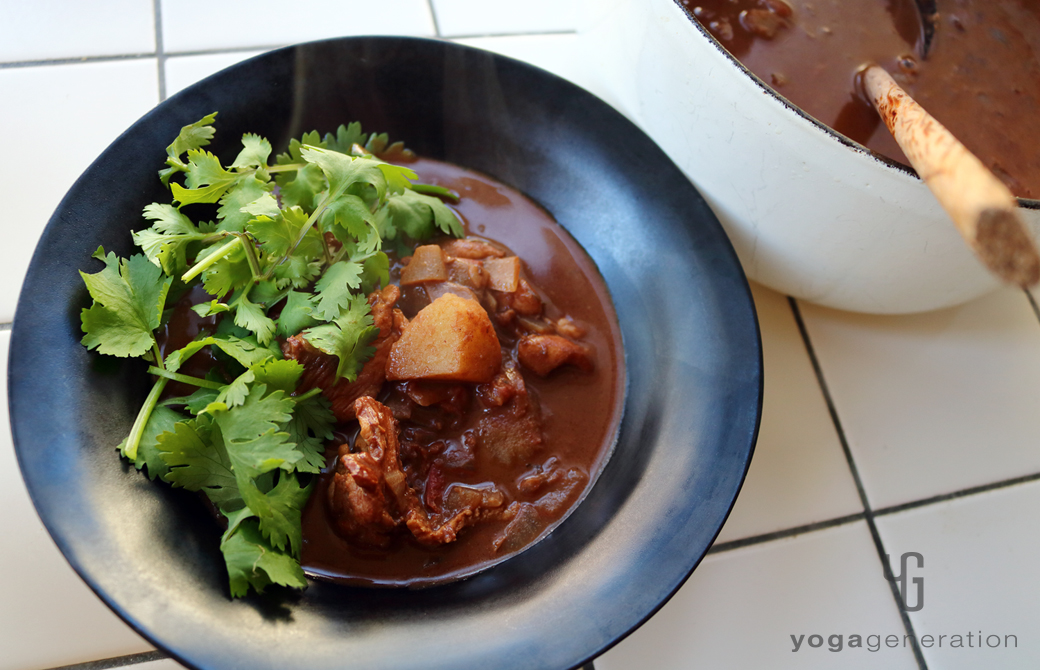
point(183, 71)
point(741, 607)
point(799, 473)
point(456, 18)
point(263, 23)
point(49, 617)
point(559, 54)
point(936, 402)
point(54, 29)
point(65, 116)
point(979, 577)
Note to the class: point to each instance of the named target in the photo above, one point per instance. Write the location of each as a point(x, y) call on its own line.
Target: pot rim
point(884, 161)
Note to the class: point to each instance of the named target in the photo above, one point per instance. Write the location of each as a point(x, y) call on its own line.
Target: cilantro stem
point(157, 352)
point(309, 394)
point(209, 260)
point(325, 248)
point(134, 439)
point(186, 379)
point(286, 167)
point(306, 228)
point(353, 259)
point(432, 189)
point(254, 264)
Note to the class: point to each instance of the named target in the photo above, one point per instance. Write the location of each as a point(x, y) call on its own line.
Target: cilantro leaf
point(346, 137)
point(398, 177)
point(351, 215)
point(296, 146)
point(207, 180)
point(419, 216)
point(246, 352)
point(198, 461)
point(210, 308)
point(192, 136)
point(347, 337)
point(232, 212)
point(310, 428)
point(296, 314)
point(227, 273)
point(302, 190)
point(375, 272)
point(129, 297)
point(253, 562)
point(278, 375)
point(279, 511)
point(276, 235)
point(166, 242)
point(250, 431)
point(377, 142)
point(334, 289)
point(343, 171)
point(251, 316)
point(255, 151)
point(161, 420)
point(200, 399)
point(297, 271)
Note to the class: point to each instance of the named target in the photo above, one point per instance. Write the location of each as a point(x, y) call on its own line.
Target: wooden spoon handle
point(981, 206)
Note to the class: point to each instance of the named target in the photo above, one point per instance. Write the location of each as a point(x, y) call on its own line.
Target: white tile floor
point(937, 412)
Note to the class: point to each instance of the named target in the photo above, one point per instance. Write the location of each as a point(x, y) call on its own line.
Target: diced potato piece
point(503, 273)
point(427, 264)
point(437, 289)
point(451, 339)
point(468, 272)
point(472, 248)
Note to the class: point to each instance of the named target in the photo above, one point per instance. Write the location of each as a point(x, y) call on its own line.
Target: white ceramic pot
point(810, 213)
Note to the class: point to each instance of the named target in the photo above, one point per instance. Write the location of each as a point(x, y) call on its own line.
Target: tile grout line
point(859, 516)
point(74, 61)
point(117, 661)
point(433, 15)
point(787, 532)
point(163, 54)
point(944, 497)
point(160, 54)
point(538, 34)
point(1032, 302)
point(868, 514)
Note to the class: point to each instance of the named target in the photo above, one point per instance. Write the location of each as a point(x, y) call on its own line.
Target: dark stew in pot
point(981, 76)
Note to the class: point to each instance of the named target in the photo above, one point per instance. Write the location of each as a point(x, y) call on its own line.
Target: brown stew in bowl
point(981, 77)
point(436, 479)
point(368, 379)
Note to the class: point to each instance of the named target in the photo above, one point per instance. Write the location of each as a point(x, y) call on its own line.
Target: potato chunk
point(451, 339)
point(427, 264)
point(503, 273)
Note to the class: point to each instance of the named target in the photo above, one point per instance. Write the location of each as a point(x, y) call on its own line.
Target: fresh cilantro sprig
point(305, 234)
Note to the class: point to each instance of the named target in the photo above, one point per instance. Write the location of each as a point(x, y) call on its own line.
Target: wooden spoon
point(981, 206)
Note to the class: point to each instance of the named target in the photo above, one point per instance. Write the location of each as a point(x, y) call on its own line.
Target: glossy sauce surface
point(981, 77)
point(580, 410)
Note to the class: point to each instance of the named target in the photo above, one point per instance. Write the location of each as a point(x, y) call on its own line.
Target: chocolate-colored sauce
point(981, 77)
point(580, 410)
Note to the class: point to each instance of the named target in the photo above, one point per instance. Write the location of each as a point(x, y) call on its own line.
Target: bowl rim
point(884, 161)
point(20, 343)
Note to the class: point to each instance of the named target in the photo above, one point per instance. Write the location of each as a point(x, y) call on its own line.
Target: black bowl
point(685, 442)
